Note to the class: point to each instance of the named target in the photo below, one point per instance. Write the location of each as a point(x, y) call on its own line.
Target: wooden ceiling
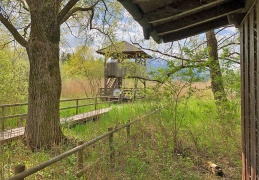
point(170, 20)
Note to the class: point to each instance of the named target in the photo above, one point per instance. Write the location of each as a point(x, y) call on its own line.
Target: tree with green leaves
point(36, 25)
point(83, 66)
point(199, 54)
point(14, 70)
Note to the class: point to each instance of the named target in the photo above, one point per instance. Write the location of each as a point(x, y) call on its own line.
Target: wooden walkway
point(19, 132)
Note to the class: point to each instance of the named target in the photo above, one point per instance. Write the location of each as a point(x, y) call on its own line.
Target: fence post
point(3, 118)
point(80, 160)
point(111, 148)
point(128, 133)
point(77, 106)
point(109, 99)
point(120, 98)
point(18, 169)
point(95, 104)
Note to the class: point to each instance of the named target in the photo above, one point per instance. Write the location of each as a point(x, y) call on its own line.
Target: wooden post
point(95, 104)
point(109, 99)
point(120, 98)
point(111, 148)
point(3, 118)
point(80, 160)
point(77, 106)
point(128, 133)
point(18, 169)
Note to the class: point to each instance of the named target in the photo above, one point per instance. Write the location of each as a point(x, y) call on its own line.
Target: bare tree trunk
point(42, 127)
point(215, 72)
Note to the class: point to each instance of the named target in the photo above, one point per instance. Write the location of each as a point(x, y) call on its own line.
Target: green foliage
point(83, 66)
point(231, 75)
point(14, 70)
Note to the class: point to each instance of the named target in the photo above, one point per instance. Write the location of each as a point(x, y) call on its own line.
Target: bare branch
point(25, 29)
point(186, 66)
point(173, 71)
point(221, 29)
point(71, 31)
point(234, 53)
point(168, 55)
point(231, 60)
point(66, 9)
point(24, 5)
point(229, 44)
point(222, 40)
point(17, 36)
point(72, 11)
point(5, 44)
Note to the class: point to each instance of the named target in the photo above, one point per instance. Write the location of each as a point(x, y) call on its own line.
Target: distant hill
point(154, 64)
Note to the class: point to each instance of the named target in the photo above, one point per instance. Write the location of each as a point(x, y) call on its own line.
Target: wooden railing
point(21, 173)
point(94, 101)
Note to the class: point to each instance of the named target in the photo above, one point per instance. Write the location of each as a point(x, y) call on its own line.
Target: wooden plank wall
point(250, 94)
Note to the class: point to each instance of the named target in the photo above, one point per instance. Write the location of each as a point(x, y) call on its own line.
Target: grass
point(153, 152)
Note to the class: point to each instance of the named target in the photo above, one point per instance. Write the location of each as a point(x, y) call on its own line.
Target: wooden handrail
point(78, 148)
point(12, 105)
point(4, 115)
point(62, 100)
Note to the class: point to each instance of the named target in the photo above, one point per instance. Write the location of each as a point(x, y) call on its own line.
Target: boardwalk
point(19, 132)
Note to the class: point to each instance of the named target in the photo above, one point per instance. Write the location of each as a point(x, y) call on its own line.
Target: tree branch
point(72, 11)
point(184, 67)
point(222, 40)
point(24, 5)
point(66, 9)
point(165, 54)
point(172, 71)
point(17, 36)
point(5, 44)
point(231, 60)
point(65, 14)
point(229, 44)
point(221, 29)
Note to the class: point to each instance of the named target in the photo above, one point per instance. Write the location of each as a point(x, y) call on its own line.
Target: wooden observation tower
point(123, 61)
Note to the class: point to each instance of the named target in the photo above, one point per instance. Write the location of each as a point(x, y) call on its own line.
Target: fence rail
point(79, 149)
point(4, 107)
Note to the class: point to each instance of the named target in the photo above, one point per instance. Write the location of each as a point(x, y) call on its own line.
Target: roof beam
point(199, 18)
point(153, 18)
point(138, 15)
point(196, 30)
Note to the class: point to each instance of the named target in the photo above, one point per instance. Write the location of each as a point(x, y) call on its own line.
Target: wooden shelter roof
point(170, 20)
point(124, 49)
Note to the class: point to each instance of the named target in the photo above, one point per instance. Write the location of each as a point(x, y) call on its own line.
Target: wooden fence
point(21, 173)
point(94, 101)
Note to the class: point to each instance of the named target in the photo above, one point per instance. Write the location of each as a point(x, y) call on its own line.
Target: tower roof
point(123, 49)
